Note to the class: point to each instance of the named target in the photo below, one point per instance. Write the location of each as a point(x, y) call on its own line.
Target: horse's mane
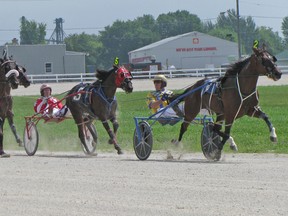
point(102, 75)
point(236, 67)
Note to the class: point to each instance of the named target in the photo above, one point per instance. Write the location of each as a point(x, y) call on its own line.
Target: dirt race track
point(61, 183)
point(73, 184)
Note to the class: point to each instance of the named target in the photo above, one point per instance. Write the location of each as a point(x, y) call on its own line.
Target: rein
point(8, 61)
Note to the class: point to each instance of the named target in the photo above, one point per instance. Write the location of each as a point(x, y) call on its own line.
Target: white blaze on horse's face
point(123, 79)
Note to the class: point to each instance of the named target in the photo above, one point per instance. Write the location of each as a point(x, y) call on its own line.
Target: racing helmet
point(161, 78)
point(44, 86)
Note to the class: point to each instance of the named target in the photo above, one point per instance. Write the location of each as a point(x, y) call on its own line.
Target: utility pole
point(238, 29)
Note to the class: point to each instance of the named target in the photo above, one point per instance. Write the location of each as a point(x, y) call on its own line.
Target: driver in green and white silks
point(158, 99)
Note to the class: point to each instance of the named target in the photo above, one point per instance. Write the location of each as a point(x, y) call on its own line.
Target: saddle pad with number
point(83, 98)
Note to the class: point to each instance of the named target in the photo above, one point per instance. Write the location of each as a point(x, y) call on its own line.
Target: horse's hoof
point(273, 139)
point(169, 155)
point(215, 155)
point(4, 155)
point(175, 142)
point(120, 152)
point(234, 148)
point(94, 154)
point(20, 143)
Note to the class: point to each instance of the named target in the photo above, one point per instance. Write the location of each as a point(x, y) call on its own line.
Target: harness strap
point(241, 97)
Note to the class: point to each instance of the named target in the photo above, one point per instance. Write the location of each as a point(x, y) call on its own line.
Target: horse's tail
point(179, 95)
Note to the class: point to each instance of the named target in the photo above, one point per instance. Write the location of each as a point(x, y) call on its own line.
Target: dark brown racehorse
point(97, 101)
point(8, 79)
point(236, 95)
point(24, 81)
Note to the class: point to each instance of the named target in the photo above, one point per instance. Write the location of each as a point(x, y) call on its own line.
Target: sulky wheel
point(210, 141)
point(31, 138)
point(143, 145)
point(90, 137)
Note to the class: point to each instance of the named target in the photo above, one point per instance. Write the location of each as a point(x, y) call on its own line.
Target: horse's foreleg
point(258, 113)
point(112, 137)
point(115, 128)
point(1, 137)
point(13, 128)
point(225, 136)
point(217, 129)
point(81, 134)
point(2, 153)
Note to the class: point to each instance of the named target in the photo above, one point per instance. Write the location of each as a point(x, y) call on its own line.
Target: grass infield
point(250, 134)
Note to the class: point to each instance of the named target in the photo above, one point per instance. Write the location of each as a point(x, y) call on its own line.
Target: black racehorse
point(9, 78)
point(97, 101)
point(235, 95)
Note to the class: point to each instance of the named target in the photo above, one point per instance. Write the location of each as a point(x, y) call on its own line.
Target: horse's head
point(123, 79)
point(23, 78)
point(9, 72)
point(267, 64)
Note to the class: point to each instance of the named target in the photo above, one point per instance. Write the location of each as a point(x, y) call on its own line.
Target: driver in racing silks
point(49, 106)
point(159, 99)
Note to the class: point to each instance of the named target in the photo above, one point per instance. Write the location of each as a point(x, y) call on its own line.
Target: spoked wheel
point(143, 146)
point(31, 138)
point(210, 141)
point(90, 137)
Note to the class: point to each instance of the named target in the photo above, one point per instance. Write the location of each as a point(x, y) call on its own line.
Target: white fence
point(88, 77)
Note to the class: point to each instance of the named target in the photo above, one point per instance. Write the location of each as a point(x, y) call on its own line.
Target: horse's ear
point(4, 54)
point(256, 51)
point(115, 67)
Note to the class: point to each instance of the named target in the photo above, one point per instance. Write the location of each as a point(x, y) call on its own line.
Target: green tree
point(178, 22)
point(224, 33)
point(88, 44)
point(248, 31)
point(284, 28)
point(271, 39)
point(207, 26)
point(32, 32)
point(122, 37)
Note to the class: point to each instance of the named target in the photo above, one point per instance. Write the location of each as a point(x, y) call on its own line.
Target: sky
point(90, 16)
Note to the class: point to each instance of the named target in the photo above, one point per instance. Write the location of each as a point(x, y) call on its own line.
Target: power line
point(66, 29)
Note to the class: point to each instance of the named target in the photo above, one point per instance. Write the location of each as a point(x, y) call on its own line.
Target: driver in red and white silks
point(49, 106)
point(158, 99)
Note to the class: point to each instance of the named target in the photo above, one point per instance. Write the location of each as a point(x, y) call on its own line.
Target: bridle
point(268, 62)
point(123, 78)
point(11, 71)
